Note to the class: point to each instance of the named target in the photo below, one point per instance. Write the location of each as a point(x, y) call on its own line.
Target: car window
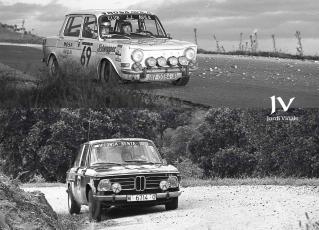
point(73, 26)
point(84, 155)
point(89, 27)
point(152, 27)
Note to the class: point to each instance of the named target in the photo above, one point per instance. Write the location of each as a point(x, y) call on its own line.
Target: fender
point(110, 60)
point(50, 55)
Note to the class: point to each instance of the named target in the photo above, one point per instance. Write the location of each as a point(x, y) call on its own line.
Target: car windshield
point(130, 26)
point(124, 152)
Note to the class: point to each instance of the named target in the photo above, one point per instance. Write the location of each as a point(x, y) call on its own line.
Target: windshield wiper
point(105, 163)
point(144, 34)
point(113, 35)
point(141, 161)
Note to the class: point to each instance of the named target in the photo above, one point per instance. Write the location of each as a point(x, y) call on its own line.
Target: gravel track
point(213, 207)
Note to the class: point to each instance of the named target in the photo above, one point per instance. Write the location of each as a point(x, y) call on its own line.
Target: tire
point(172, 205)
point(54, 69)
point(94, 208)
point(108, 74)
point(181, 81)
point(73, 206)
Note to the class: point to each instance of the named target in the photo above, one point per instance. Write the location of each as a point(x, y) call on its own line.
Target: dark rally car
point(120, 172)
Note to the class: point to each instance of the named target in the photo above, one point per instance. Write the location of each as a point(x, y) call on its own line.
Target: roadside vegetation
point(16, 34)
point(218, 143)
point(262, 54)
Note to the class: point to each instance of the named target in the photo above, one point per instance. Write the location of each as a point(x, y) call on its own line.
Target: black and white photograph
point(159, 115)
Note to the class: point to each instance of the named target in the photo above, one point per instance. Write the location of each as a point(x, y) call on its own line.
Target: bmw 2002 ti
point(120, 46)
point(121, 172)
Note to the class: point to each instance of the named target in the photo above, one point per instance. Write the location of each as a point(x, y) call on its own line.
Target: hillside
point(7, 34)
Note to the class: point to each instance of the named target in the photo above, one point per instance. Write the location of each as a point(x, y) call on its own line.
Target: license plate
point(163, 76)
point(141, 197)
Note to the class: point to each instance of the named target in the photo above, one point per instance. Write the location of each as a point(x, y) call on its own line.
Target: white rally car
point(123, 45)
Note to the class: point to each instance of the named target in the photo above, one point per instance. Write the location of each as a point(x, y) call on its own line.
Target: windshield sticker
point(127, 12)
point(106, 49)
point(145, 16)
point(122, 143)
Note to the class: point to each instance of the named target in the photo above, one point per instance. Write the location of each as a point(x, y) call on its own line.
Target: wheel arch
point(52, 54)
point(108, 59)
point(87, 189)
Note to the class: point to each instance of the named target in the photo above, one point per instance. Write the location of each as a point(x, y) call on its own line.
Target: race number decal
point(86, 55)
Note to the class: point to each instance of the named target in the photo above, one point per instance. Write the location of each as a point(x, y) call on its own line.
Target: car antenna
point(89, 125)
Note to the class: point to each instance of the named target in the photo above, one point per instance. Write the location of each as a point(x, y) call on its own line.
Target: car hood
point(100, 171)
point(151, 43)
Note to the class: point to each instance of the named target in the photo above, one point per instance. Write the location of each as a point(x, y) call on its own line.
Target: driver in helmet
point(105, 27)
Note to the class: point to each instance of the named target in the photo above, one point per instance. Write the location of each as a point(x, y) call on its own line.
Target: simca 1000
point(120, 46)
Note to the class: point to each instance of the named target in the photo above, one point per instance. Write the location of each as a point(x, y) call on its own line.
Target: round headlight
point(116, 187)
point(161, 61)
point(190, 54)
point(104, 185)
point(173, 182)
point(164, 185)
point(172, 61)
point(137, 66)
point(182, 60)
point(137, 55)
point(151, 62)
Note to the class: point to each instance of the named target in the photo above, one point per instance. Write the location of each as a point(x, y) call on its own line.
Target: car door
point(69, 42)
point(81, 178)
point(89, 42)
point(72, 174)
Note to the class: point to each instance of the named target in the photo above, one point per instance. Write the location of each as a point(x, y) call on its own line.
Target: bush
point(233, 162)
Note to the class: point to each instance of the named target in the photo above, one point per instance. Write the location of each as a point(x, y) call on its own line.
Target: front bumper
point(114, 198)
point(146, 73)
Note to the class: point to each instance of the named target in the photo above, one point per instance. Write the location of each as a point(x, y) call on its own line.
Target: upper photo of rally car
point(120, 46)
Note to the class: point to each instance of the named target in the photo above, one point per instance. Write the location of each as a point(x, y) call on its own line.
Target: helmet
point(106, 23)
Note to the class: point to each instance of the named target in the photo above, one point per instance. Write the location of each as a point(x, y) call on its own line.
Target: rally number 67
point(86, 55)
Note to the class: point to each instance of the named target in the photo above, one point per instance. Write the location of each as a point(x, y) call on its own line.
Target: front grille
point(127, 183)
point(140, 182)
point(153, 181)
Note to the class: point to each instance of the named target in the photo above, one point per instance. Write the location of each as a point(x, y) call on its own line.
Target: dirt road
point(231, 81)
point(217, 207)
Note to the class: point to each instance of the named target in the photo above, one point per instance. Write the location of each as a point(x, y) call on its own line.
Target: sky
point(224, 18)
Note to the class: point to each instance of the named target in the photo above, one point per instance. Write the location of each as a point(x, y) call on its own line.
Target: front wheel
point(181, 81)
point(73, 206)
point(108, 73)
point(172, 205)
point(94, 208)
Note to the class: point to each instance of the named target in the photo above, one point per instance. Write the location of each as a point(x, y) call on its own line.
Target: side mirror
point(164, 162)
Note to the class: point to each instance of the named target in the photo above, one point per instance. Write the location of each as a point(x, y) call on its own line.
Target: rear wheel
point(53, 66)
point(73, 206)
point(94, 208)
point(109, 74)
point(181, 81)
point(172, 205)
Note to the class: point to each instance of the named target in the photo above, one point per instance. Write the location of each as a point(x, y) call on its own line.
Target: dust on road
point(213, 207)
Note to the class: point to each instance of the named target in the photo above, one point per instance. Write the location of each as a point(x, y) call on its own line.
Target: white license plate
point(141, 197)
point(163, 76)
